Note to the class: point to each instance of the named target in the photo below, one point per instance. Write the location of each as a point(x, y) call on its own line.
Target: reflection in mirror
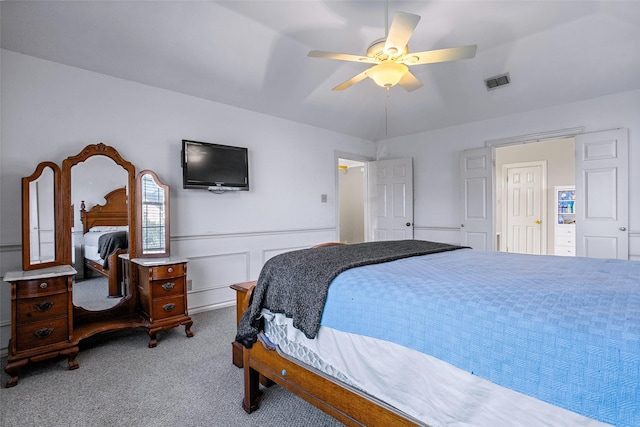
point(41, 218)
point(40, 236)
point(153, 208)
point(99, 230)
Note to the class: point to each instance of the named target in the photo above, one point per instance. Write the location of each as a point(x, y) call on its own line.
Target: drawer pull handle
point(168, 307)
point(170, 269)
point(43, 333)
point(168, 286)
point(43, 306)
point(43, 285)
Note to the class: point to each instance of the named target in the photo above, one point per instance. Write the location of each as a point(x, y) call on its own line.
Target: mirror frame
point(99, 149)
point(57, 220)
point(139, 202)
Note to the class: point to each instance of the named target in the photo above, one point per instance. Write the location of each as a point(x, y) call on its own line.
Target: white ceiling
point(253, 54)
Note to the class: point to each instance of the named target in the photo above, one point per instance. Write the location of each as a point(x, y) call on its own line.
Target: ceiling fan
point(392, 57)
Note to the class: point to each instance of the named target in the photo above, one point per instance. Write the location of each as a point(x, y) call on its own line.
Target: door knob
point(623, 229)
point(408, 224)
point(537, 221)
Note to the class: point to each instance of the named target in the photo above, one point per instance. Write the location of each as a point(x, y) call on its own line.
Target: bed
point(463, 337)
point(105, 237)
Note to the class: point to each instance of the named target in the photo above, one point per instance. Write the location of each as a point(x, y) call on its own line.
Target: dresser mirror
point(95, 192)
point(41, 219)
point(98, 186)
point(153, 215)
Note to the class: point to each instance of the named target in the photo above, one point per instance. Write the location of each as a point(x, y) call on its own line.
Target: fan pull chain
point(386, 112)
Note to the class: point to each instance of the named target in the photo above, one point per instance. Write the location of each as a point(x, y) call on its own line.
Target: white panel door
point(476, 178)
point(602, 192)
point(525, 208)
point(390, 199)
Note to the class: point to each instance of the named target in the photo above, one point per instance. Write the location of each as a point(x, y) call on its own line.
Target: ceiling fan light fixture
point(387, 74)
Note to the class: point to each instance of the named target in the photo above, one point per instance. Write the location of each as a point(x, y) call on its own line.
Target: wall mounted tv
point(214, 167)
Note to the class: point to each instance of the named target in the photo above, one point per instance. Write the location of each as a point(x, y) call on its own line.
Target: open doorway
point(352, 200)
point(559, 157)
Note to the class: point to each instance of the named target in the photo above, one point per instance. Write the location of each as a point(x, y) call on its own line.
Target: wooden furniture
point(243, 296)
point(41, 317)
point(262, 366)
point(49, 196)
point(162, 296)
point(113, 213)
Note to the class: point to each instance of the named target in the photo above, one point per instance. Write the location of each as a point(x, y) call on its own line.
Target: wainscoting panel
point(216, 261)
point(227, 269)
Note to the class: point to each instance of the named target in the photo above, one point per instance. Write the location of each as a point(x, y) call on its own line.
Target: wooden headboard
point(114, 212)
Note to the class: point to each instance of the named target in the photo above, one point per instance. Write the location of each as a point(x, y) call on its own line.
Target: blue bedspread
point(564, 330)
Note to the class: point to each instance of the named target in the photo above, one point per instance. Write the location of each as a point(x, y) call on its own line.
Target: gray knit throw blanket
point(296, 283)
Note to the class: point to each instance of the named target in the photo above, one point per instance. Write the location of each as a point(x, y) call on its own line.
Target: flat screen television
point(214, 167)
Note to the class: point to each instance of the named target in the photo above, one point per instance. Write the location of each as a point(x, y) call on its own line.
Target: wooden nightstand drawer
point(41, 308)
point(167, 307)
point(161, 272)
point(39, 287)
point(171, 287)
point(39, 334)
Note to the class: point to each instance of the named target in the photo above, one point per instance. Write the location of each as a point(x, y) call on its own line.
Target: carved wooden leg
point(187, 328)
point(153, 341)
point(72, 353)
point(13, 369)
point(252, 391)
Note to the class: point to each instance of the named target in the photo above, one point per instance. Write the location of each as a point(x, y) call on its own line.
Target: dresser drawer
point(39, 287)
point(565, 231)
point(170, 287)
point(39, 334)
point(166, 271)
point(41, 308)
point(167, 307)
point(565, 240)
point(564, 251)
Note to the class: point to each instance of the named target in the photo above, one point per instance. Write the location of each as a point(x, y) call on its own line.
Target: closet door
point(602, 194)
point(476, 178)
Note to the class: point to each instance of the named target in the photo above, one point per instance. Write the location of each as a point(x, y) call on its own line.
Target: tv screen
point(214, 166)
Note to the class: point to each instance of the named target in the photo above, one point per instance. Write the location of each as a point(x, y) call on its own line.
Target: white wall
point(51, 111)
point(436, 182)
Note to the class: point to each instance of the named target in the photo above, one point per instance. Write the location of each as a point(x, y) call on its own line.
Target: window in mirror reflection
point(153, 216)
point(42, 218)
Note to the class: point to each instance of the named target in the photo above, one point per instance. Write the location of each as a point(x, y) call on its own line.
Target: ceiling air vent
point(497, 81)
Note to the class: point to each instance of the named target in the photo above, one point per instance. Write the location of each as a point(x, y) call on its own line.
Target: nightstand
point(41, 317)
point(162, 296)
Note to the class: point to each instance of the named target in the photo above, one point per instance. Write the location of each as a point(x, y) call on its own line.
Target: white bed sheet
point(432, 391)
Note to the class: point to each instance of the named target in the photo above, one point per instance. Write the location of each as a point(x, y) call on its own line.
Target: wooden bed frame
point(266, 367)
point(114, 212)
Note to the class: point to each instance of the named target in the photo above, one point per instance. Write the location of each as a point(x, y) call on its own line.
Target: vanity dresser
point(47, 318)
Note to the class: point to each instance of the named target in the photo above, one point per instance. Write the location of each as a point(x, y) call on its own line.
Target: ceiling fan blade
point(409, 82)
point(440, 55)
point(352, 81)
point(400, 32)
point(341, 56)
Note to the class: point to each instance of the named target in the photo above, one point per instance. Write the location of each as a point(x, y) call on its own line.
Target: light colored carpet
point(121, 382)
point(92, 294)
